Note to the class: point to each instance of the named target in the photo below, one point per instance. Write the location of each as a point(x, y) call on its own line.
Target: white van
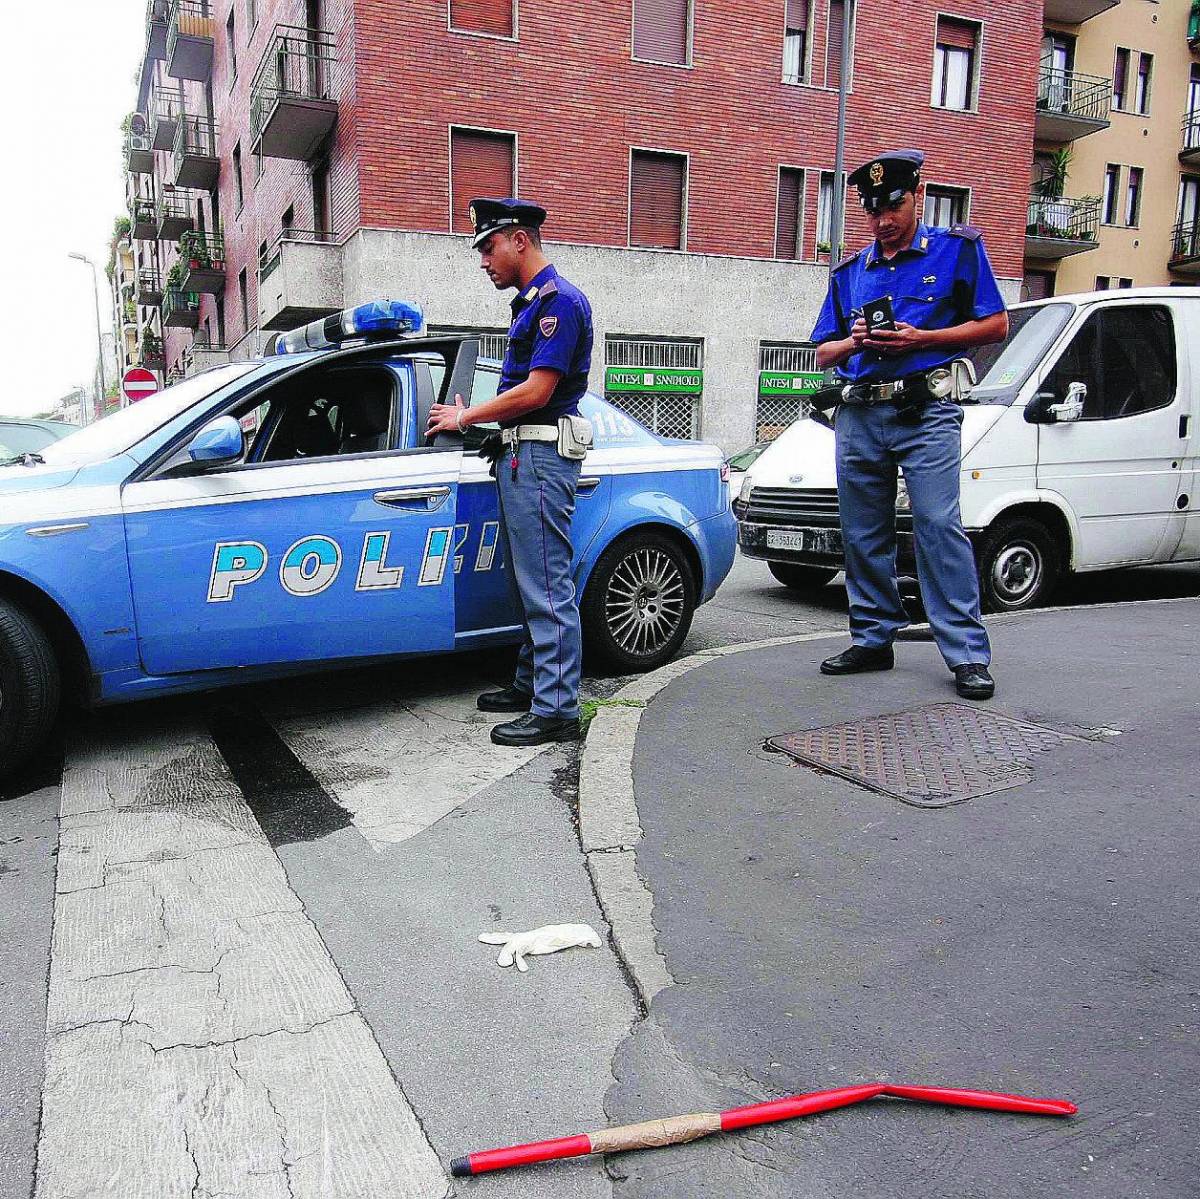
point(1081, 451)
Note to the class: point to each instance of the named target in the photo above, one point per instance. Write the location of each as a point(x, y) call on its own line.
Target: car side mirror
point(219, 443)
point(1046, 409)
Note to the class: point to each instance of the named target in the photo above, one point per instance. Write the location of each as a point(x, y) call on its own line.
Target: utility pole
point(837, 225)
point(99, 404)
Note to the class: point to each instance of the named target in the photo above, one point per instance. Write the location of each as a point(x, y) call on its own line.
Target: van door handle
point(424, 498)
point(1184, 425)
point(586, 486)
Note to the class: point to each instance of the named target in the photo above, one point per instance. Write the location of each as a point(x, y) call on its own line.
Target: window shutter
point(787, 232)
point(481, 164)
point(837, 20)
point(958, 34)
point(656, 201)
point(660, 30)
point(797, 14)
point(483, 16)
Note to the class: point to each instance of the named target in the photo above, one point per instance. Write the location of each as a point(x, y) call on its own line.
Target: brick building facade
point(689, 194)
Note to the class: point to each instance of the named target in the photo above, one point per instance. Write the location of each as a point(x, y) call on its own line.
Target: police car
point(264, 517)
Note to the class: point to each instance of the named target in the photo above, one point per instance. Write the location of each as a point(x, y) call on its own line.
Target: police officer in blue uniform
point(543, 378)
point(896, 409)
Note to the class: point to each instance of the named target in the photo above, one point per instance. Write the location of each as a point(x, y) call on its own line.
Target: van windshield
point(1002, 368)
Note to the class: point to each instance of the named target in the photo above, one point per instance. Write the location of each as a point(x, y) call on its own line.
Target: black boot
point(535, 730)
point(508, 699)
point(859, 658)
point(972, 681)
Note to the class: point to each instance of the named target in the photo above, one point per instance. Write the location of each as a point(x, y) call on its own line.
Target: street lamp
point(99, 343)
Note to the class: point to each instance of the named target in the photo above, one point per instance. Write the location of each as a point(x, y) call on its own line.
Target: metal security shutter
point(483, 16)
point(660, 30)
point(481, 164)
point(959, 34)
point(669, 415)
point(656, 200)
point(773, 413)
point(787, 229)
point(837, 18)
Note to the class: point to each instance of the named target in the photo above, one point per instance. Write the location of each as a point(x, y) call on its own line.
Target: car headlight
point(903, 503)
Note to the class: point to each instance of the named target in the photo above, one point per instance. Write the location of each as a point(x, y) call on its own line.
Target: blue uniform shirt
point(551, 329)
point(944, 278)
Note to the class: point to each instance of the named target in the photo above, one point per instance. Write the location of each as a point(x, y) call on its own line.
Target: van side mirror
point(1046, 409)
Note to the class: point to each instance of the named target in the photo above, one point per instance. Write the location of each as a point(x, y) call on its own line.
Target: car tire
point(639, 603)
point(1019, 565)
point(30, 687)
point(801, 578)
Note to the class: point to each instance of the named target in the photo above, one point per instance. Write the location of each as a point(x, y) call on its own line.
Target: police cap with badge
point(490, 216)
point(886, 178)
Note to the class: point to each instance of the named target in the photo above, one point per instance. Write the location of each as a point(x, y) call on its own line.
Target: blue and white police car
point(266, 517)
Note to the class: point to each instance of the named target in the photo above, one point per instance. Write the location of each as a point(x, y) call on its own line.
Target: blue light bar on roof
point(380, 318)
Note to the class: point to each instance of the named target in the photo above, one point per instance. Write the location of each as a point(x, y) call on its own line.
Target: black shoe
point(509, 699)
point(535, 730)
point(859, 658)
point(972, 681)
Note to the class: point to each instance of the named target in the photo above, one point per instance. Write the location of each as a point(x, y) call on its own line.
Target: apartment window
point(1109, 282)
point(1120, 77)
point(945, 206)
point(320, 199)
point(1141, 96)
point(789, 217)
point(662, 30)
point(481, 164)
point(251, 13)
point(1133, 197)
point(244, 297)
point(238, 193)
point(825, 212)
point(221, 321)
point(837, 26)
point(288, 221)
point(495, 17)
point(1057, 65)
point(232, 42)
point(1102, 282)
point(1112, 187)
point(797, 21)
point(954, 64)
point(657, 192)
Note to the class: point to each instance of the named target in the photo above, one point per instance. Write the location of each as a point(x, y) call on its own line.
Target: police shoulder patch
point(548, 325)
point(549, 288)
point(846, 261)
point(969, 232)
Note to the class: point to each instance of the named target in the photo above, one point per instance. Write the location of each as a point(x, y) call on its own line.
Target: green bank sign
point(659, 380)
point(788, 383)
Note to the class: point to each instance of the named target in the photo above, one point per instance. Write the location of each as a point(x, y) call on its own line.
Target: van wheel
point(801, 578)
point(30, 687)
point(1019, 565)
point(639, 603)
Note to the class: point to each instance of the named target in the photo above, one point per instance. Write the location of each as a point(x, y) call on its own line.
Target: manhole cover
point(932, 757)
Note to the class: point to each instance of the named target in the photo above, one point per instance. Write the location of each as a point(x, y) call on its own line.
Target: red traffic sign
point(137, 383)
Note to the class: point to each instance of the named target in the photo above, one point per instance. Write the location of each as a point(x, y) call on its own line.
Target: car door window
point(1125, 355)
point(483, 388)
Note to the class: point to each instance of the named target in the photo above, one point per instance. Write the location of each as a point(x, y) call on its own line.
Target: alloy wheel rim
point(644, 602)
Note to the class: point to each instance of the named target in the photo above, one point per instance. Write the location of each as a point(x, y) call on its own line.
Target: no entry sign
point(137, 383)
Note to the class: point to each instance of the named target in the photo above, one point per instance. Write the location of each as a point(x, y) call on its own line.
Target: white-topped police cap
point(888, 176)
point(489, 216)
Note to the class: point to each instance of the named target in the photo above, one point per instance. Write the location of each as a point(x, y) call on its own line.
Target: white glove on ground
point(550, 939)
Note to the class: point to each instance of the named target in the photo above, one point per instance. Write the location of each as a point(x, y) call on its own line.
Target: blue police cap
point(489, 215)
point(887, 177)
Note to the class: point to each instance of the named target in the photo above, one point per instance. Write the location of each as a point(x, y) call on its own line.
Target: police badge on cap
point(489, 216)
point(887, 177)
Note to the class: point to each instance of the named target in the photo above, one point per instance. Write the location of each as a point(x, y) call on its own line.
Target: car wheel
point(801, 578)
point(1019, 564)
point(30, 687)
point(639, 603)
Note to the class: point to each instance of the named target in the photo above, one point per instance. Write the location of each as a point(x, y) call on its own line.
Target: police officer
point(544, 376)
point(897, 411)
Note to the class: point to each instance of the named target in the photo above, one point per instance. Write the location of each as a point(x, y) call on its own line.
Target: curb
point(609, 824)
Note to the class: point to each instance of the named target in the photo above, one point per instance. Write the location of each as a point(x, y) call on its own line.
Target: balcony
point(196, 162)
point(203, 259)
point(1058, 228)
point(149, 291)
point(152, 352)
point(1193, 26)
point(299, 279)
point(139, 154)
point(1071, 105)
point(166, 107)
point(190, 32)
point(202, 356)
point(180, 309)
point(291, 109)
point(143, 219)
point(1185, 248)
point(1075, 12)
point(156, 29)
point(175, 217)
point(1190, 138)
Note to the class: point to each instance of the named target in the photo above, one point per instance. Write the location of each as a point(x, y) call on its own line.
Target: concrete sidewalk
point(809, 932)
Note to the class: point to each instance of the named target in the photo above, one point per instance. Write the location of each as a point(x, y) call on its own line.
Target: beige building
point(1115, 196)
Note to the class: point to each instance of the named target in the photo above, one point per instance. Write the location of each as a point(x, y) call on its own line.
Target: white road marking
point(200, 1039)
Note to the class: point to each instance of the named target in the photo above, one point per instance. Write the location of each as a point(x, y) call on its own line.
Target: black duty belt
point(909, 392)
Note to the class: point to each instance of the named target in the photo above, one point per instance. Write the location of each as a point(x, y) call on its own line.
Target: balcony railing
point(139, 153)
point(196, 162)
point(1189, 150)
point(1059, 226)
point(291, 106)
point(1071, 105)
point(190, 34)
point(175, 216)
point(1193, 27)
point(203, 259)
point(166, 107)
point(149, 286)
point(1185, 247)
point(180, 309)
point(152, 352)
point(299, 279)
point(156, 29)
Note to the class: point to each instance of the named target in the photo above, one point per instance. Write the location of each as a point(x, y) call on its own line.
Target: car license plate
point(815, 541)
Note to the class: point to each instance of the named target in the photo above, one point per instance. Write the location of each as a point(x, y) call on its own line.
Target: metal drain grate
point(931, 757)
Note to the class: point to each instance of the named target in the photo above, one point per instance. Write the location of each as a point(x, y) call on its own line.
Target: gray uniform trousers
point(535, 522)
point(871, 443)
